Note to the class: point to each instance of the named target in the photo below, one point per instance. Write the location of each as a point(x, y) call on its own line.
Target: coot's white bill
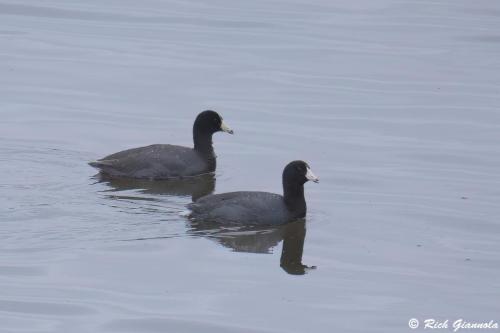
point(311, 176)
point(225, 128)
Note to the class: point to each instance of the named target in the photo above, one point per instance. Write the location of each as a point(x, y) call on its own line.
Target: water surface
point(394, 104)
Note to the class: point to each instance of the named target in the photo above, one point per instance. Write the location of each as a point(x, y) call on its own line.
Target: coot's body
point(160, 161)
point(259, 208)
point(163, 161)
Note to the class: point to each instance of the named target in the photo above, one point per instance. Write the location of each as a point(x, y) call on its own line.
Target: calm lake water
point(394, 104)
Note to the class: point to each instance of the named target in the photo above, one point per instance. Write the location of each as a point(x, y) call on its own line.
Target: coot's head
point(298, 172)
point(210, 122)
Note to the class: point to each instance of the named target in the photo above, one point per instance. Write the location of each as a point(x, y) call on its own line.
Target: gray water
point(394, 104)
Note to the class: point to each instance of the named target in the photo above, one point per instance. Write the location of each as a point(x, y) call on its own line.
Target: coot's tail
point(100, 164)
point(104, 166)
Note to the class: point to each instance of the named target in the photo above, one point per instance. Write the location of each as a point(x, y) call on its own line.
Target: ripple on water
point(45, 308)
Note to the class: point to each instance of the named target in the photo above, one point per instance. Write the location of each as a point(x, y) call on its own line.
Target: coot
point(163, 161)
point(259, 208)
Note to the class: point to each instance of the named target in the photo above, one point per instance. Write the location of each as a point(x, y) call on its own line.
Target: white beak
point(225, 128)
point(311, 176)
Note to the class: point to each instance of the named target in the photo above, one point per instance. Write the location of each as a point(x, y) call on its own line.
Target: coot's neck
point(293, 193)
point(203, 143)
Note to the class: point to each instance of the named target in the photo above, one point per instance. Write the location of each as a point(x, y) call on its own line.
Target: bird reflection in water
point(194, 187)
point(259, 239)
point(253, 239)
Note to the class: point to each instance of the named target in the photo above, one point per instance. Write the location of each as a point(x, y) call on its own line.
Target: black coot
point(162, 161)
point(260, 208)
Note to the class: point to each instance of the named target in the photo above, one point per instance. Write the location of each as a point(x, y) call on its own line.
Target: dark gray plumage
point(242, 207)
point(163, 161)
point(260, 208)
point(155, 161)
